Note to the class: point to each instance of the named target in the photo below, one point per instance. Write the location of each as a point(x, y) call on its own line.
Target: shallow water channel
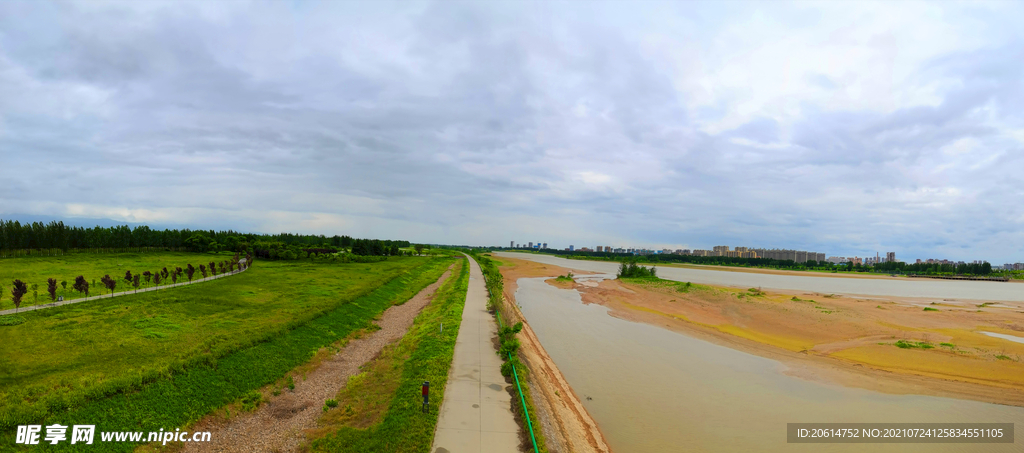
point(654, 390)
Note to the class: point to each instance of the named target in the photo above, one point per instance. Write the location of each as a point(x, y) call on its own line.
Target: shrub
point(632, 270)
point(330, 403)
point(251, 401)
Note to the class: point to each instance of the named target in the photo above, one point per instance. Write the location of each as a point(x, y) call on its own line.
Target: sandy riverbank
point(834, 338)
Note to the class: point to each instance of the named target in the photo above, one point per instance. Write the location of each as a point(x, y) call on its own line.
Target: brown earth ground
point(282, 422)
point(567, 426)
point(833, 338)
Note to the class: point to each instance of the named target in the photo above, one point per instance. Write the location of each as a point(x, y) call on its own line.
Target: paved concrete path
point(99, 288)
point(476, 415)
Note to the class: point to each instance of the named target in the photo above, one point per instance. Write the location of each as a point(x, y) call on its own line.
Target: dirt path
point(278, 425)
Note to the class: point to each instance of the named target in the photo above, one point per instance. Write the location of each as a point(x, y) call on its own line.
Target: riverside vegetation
point(166, 358)
point(509, 348)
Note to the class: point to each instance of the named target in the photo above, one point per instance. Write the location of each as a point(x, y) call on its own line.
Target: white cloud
point(841, 127)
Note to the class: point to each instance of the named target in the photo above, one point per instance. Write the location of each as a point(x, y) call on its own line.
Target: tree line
point(58, 236)
point(159, 277)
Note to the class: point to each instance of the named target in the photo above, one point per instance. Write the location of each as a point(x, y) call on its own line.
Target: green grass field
point(36, 269)
point(87, 355)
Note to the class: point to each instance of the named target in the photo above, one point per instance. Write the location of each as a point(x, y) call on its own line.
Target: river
point(654, 390)
point(820, 283)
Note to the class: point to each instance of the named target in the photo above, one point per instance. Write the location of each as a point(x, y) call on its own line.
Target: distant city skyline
point(880, 257)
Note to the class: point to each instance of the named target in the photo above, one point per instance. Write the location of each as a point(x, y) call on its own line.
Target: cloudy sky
point(847, 128)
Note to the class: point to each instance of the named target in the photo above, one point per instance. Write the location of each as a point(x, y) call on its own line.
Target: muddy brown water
point(654, 390)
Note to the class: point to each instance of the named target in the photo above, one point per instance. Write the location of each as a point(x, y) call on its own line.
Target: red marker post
point(426, 396)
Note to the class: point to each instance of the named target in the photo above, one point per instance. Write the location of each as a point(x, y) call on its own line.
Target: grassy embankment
point(379, 409)
point(495, 289)
point(36, 269)
point(160, 360)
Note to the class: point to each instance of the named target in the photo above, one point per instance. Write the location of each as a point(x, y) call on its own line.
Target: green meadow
point(93, 266)
point(165, 358)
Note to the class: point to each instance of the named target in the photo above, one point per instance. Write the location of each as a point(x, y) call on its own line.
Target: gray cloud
point(625, 124)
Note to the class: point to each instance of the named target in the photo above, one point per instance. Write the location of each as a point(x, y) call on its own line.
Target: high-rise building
point(570, 248)
point(890, 257)
point(531, 245)
point(600, 248)
point(545, 245)
point(512, 244)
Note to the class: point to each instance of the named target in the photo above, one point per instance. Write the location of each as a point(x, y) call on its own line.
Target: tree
point(64, 287)
point(202, 270)
point(51, 287)
point(164, 272)
point(35, 292)
point(18, 291)
point(81, 285)
point(135, 283)
point(213, 268)
point(189, 271)
point(147, 275)
point(128, 277)
point(174, 278)
point(156, 278)
point(109, 283)
point(419, 249)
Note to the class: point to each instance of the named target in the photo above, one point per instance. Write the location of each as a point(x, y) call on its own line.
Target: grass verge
point(379, 410)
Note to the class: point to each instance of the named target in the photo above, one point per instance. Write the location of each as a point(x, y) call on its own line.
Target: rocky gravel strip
point(277, 426)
